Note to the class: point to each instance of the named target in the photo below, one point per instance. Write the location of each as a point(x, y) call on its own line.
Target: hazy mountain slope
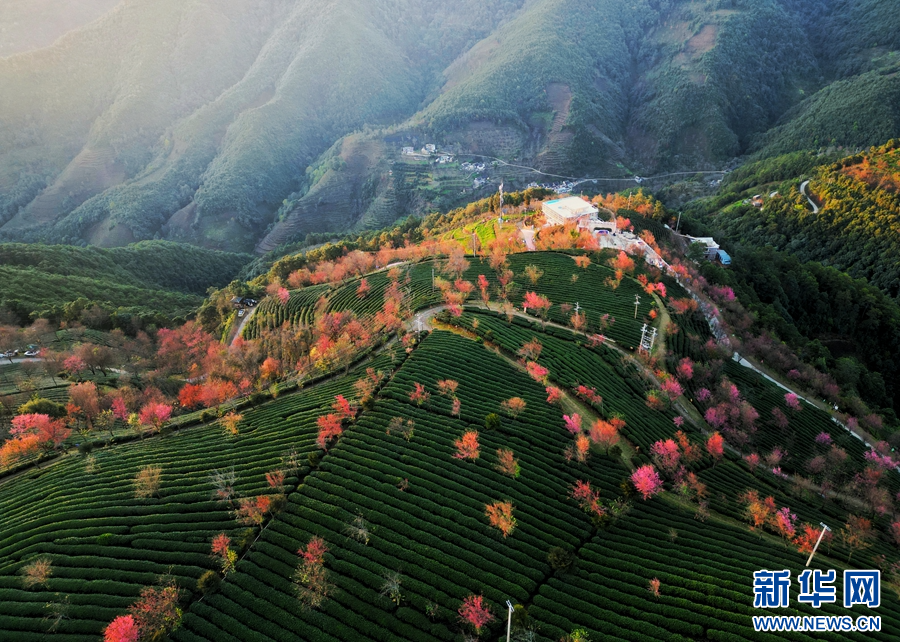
point(240, 147)
point(208, 123)
point(32, 24)
point(109, 91)
point(712, 75)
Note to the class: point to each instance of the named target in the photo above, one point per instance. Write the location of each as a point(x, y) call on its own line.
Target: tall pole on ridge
point(509, 621)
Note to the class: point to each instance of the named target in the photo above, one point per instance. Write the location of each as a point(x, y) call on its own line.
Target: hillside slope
point(153, 278)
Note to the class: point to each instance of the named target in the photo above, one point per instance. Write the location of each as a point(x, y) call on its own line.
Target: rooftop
point(571, 207)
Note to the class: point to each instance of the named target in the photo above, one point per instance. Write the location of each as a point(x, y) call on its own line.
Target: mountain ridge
point(208, 144)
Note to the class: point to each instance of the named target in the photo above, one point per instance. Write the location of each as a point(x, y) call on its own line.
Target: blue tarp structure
point(722, 257)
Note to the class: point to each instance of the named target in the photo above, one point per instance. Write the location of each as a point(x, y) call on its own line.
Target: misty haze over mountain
point(245, 124)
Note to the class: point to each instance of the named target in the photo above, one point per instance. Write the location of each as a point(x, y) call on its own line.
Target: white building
point(571, 209)
point(429, 149)
point(408, 151)
point(712, 248)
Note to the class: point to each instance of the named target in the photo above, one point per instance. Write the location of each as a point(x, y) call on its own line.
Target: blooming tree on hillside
point(500, 516)
point(647, 481)
point(514, 406)
point(476, 612)
point(467, 446)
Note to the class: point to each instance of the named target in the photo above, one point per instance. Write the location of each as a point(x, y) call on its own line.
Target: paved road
point(528, 238)
point(803, 191)
point(244, 320)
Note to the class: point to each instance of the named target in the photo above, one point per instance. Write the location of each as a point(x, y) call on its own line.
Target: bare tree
point(223, 484)
point(391, 587)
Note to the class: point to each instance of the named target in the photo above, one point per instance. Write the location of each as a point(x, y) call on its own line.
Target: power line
point(605, 179)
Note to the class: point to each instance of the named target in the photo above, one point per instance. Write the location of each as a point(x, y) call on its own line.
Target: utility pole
point(577, 307)
point(678, 224)
point(637, 302)
point(818, 541)
point(647, 339)
point(509, 621)
point(432, 278)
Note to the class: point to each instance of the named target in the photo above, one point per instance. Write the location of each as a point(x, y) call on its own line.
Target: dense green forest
point(154, 279)
point(857, 227)
point(826, 282)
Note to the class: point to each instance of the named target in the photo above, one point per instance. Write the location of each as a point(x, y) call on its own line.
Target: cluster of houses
point(560, 188)
point(428, 150)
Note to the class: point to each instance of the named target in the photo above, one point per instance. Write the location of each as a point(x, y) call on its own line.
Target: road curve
point(803, 191)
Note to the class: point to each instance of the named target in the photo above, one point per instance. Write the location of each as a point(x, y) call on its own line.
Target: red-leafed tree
point(154, 415)
point(467, 446)
point(251, 511)
point(792, 401)
point(666, 454)
point(554, 394)
point(119, 409)
point(122, 629)
point(85, 401)
point(191, 396)
point(330, 428)
point(573, 423)
point(808, 535)
point(671, 388)
point(579, 450)
point(419, 395)
point(537, 302)
point(156, 613)
point(685, 369)
point(715, 446)
point(40, 429)
point(221, 549)
point(363, 290)
point(275, 479)
point(605, 434)
point(536, 371)
point(500, 516)
point(447, 387)
point(514, 406)
point(531, 350)
point(484, 289)
point(857, 534)
point(343, 408)
point(475, 611)
point(507, 463)
point(588, 499)
point(19, 447)
point(588, 394)
point(647, 481)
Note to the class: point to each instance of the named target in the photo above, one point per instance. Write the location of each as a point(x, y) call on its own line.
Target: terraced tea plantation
point(590, 291)
point(105, 545)
point(401, 502)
